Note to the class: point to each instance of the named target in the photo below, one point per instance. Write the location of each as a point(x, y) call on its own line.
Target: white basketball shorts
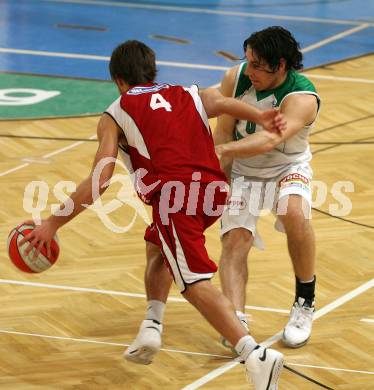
point(251, 197)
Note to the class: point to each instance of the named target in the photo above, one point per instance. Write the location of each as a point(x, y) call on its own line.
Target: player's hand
point(225, 162)
point(219, 149)
point(40, 236)
point(273, 121)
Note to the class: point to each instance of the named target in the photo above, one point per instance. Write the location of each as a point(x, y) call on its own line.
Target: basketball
point(27, 263)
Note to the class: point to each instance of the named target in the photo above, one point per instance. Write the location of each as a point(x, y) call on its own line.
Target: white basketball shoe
point(299, 327)
point(146, 344)
point(263, 367)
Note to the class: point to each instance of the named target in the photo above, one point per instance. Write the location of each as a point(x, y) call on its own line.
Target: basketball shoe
point(146, 344)
point(299, 327)
point(263, 367)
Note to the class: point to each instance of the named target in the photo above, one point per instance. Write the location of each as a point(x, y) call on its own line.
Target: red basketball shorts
point(181, 238)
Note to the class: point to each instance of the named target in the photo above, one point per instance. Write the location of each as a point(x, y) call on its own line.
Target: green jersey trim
point(242, 81)
point(295, 82)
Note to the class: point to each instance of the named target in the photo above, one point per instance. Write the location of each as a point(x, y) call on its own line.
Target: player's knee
point(296, 225)
point(293, 210)
point(237, 240)
point(153, 253)
point(294, 217)
point(195, 291)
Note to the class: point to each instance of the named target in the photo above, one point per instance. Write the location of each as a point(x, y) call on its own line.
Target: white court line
point(54, 54)
point(105, 58)
point(335, 37)
point(14, 169)
point(90, 341)
point(168, 63)
point(207, 11)
point(118, 293)
point(35, 160)
point(58, 151)
point(368, 320)
point(337, 78)
point(331, 368)
point(325, 310)
point(80, 340)
point(344, 299)
point(261, 308)
point(173, 63)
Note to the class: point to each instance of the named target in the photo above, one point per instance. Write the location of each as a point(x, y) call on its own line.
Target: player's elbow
point(221, 105)
point(104, 183)
point(97, 185)
point(102, 174)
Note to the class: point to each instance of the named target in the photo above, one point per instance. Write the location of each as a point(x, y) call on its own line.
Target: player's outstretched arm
point(299, 109)
point(107, 132)
point(216, 104)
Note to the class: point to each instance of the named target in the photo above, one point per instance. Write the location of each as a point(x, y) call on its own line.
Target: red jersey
point(168, 135)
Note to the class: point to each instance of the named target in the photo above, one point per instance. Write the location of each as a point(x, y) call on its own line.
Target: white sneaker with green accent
point(264, 367)
point(146, 344)
point(299, 327)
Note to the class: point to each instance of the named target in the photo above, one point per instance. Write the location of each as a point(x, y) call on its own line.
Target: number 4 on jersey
point(157, 101)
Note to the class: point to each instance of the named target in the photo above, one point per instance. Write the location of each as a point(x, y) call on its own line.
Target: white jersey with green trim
point(296, 149)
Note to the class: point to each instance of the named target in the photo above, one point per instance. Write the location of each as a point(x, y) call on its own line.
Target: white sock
point(245, 346)
point(307, 281)
point(155, 310)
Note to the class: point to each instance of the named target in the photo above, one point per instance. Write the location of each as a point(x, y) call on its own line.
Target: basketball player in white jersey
point(269, 171)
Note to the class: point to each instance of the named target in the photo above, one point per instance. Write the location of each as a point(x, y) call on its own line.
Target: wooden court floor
point(67, 328)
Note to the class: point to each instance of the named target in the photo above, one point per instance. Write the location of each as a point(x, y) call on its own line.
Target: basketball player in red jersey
point(164, 131)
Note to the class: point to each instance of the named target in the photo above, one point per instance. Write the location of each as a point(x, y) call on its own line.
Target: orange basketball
point(27, 263)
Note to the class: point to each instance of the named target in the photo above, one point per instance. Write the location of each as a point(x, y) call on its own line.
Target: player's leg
point(157, 280)
point(183, 244)
point(216, 309)
point(294, 215)
point(263, 366)
point(238, 231)
point(233, 269)
point(300, 237)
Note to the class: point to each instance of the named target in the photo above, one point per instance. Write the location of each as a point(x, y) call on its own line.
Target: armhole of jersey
point(238, 73)
point(194, 92)
point(115, 111)
point(115, 120)
point(127, 161)
point(305, 93)
point(129, 128)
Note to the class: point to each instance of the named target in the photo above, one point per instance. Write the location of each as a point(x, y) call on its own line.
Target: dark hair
point(133, 62)
point(274, 43)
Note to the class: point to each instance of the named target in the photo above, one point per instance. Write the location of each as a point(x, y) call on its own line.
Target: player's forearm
point(249, 146)
point(241, 110)
point(226, 166)
point(76, 203)
point(221, 136)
